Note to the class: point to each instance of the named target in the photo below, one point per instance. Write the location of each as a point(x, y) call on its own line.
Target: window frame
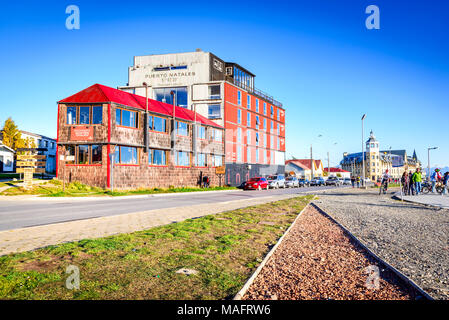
point(121, 118)
point(120, 155)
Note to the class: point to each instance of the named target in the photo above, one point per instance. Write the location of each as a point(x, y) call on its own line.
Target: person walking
point(404, 181)
point(353, 181)
point(411, 189)
point(445, 183)
point(358, 181)
point(434, 178)
point(417, 180)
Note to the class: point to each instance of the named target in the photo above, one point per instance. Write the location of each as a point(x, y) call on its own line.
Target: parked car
point(276, 181)
point(333, 181)
point(304, 182)
point(292, 182)
point(317, 181)
point(347, 181)
point(242, 185)
point(257, 183)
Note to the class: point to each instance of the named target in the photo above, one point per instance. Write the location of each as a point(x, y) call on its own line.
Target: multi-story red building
point(224, 92)
point(107, 137)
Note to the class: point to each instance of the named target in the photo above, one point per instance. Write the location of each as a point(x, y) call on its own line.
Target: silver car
point(292, 182)
point(276, 181)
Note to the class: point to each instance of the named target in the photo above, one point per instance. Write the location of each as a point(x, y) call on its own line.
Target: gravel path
point(411, 237)
point(317, 260)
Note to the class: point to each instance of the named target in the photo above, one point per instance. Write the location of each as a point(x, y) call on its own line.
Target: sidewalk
point(436, 200)
point(25, 239)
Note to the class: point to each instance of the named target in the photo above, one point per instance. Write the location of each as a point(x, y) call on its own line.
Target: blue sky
point(317, 57)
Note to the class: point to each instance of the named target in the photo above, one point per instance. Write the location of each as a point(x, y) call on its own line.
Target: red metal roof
point(98, 93)
point(304, 163)
point(335, 170)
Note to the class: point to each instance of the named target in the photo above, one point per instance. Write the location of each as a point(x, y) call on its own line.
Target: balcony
point(256, 92)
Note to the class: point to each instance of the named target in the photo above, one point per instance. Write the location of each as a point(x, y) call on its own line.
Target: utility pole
point(311, 163)
point(146, 122)
point(363, 153)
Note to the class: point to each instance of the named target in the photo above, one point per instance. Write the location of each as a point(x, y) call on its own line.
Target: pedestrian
point(411, 185)
point(417, 180)
point(353, 181)
point(445, 183)
point(358, 181)
point(434, 178)
point(404, 181)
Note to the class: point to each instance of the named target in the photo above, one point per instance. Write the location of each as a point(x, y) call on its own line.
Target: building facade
point(6, 158)
point(378, 161)
point(223, 92)
point(48, 147)
point(105, 139)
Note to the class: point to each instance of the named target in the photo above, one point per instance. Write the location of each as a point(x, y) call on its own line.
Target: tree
point(13, 138)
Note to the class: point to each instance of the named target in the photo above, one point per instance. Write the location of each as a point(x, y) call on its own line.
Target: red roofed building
point(338, 172)
point(105, 139)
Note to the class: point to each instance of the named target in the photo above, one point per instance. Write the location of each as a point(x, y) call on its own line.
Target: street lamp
point(363, 153)
point(146, 124)
point(428, 160)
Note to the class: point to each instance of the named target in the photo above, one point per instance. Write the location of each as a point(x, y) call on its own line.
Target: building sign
point(220, 170)
point(218, 65)
point(169, 77)
point(82, 133)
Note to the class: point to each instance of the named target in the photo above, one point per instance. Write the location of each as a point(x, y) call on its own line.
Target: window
point(278, 116)
point(201, 132)
point(271, 142)
point(257, 105)
point(257, 155)
point(278, 148)
point(248, 137)
point(264, 140)
point(239, 154)
point(45, 143)
point(278, 129)
point(125, 155)
point(257, 122)
point(71, 115)
point(248, 154)
point(239, 135)
point(239, 98)
point(71, 151)
point(182, 128)
point(157, 124)
point(265, 123)
point(170, 68)
point(218, 135)
point(248, 101)
point(271, 111)
point(214, 111)
point(84, 115)
point(218, 161)
point(239, 116)
point(257, 138)
point(164, 95)
point(264, 108)
point(201, 160)
point(248, 119)
point(271, 125)
point(214, 92)
point(182, 158)
point(157, 157)
point(83, 154)
point(97, 114)
point(126, 118)
point(96, 154)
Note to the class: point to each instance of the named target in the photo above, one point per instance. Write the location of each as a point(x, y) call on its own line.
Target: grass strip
point(224, 249)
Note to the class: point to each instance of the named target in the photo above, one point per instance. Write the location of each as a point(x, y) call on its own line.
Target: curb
point(398, 197)
point(380, 260)
point(87, 198)
point(248, 283)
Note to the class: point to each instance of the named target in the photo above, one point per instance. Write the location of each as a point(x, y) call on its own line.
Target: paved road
point(21, 214)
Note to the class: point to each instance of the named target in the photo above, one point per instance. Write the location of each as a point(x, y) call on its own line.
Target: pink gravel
point(317, 260)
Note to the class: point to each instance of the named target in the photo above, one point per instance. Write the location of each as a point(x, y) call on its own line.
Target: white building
point(46, 143)
point(6, 158)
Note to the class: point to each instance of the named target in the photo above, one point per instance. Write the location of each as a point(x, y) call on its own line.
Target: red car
point(256, 184)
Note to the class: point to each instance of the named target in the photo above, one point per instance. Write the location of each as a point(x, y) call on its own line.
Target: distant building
point(337, 172)
point(303, 168)
point(46, 143)
point(6, 158)
point(378, 161)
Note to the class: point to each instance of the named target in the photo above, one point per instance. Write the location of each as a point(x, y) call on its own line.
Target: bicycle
point(383, 187)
